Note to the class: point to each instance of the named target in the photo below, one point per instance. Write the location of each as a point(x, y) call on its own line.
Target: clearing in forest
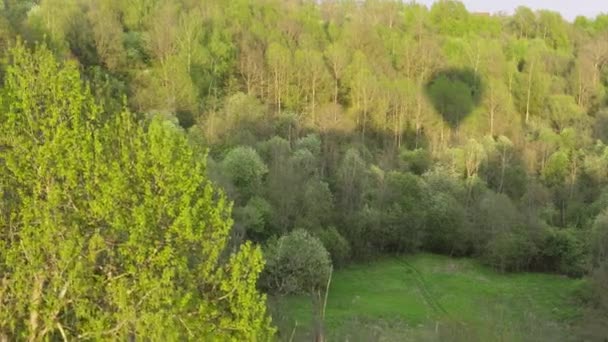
point(429, 297)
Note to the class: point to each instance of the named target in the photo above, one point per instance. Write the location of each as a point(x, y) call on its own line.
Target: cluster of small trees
point(364, 210)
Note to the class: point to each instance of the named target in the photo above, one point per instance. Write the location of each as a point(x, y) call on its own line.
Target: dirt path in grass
point(429, 298)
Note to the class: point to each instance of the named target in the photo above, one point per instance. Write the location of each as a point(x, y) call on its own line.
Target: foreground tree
point(289, 272)
point(298, 263)
point(109, 230)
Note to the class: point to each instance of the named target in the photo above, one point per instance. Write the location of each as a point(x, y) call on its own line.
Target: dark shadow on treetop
point(454, 93)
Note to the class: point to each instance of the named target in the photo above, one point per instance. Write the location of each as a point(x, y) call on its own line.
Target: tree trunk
point(277, 91)
point(418, 115)
point(314, 94)
point(491, 111)
point(35, 298)
point(573, 174)
point(400, 132)
point(502, 169)
point(529, 92)
point(580, 90)
point(510, 87)
point(317, 308)
point(336, 85)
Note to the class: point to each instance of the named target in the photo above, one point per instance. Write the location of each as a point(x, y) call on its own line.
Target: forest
point(166, 166)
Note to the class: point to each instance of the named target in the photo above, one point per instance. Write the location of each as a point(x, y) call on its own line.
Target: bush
point(296, 263)
point(311, 142)
point(599, 285)
point(245, 169)
point(337, 246)
point(510, 251)
point(417, 161)
point(361, 231)
point(254, 217)
point(446, 225)
point(492, 215)
point(316, 206)
point(402, 203)
point(593, 327)
point(564, 252)
point(599, 238)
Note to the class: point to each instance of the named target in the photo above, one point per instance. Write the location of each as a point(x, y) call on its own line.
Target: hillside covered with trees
point(337, 131)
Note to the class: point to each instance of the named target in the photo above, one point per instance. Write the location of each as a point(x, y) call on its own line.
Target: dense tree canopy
point(357, 128)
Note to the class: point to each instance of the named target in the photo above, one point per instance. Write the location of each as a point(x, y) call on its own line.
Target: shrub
point(599, 238)
point(296, 263)
point(337, 246)
point(446, 225)
point(417, 161)
point(493, 214)
point(510, 251)
point(254, 217)
point(402, 202)
point(245, 169)
point(564, 251)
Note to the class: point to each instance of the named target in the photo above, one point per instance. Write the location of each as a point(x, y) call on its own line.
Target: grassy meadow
point(429, 297)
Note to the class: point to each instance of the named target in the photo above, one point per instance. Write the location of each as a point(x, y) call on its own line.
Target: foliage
point(510, 251)
point(380, 127)
point(446, 220)
point(245, 169)
point(566, 250)
point(417, 161)
point(599, 238)
point(296, 263)
point(336, 245)
point(111, 230)
point(255, 216)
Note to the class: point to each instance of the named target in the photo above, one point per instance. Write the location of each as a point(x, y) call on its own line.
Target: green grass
point(429, 297)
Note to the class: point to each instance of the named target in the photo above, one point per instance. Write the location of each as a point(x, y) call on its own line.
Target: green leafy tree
point(315, 81)
point(317, 206)
point(564, 251)
point(532, 81)
point(524, 23)
point(450, 17)
point(352, 179)
point(279, 60)
point(445, 215)
point(553, 29)
point(168, 85)
point(556, 170)
point(52, 19)
point(510, 251)
point(337, 246)
point(299, 263)
point(362, 82)
point(337, 60)
point(563, 111)
point(108, 34)
point(110, 230)
point(296, 263)
point(495, 214)
point(245, 169)
point(599, 247)
point(255, 217)
point(402, 201)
